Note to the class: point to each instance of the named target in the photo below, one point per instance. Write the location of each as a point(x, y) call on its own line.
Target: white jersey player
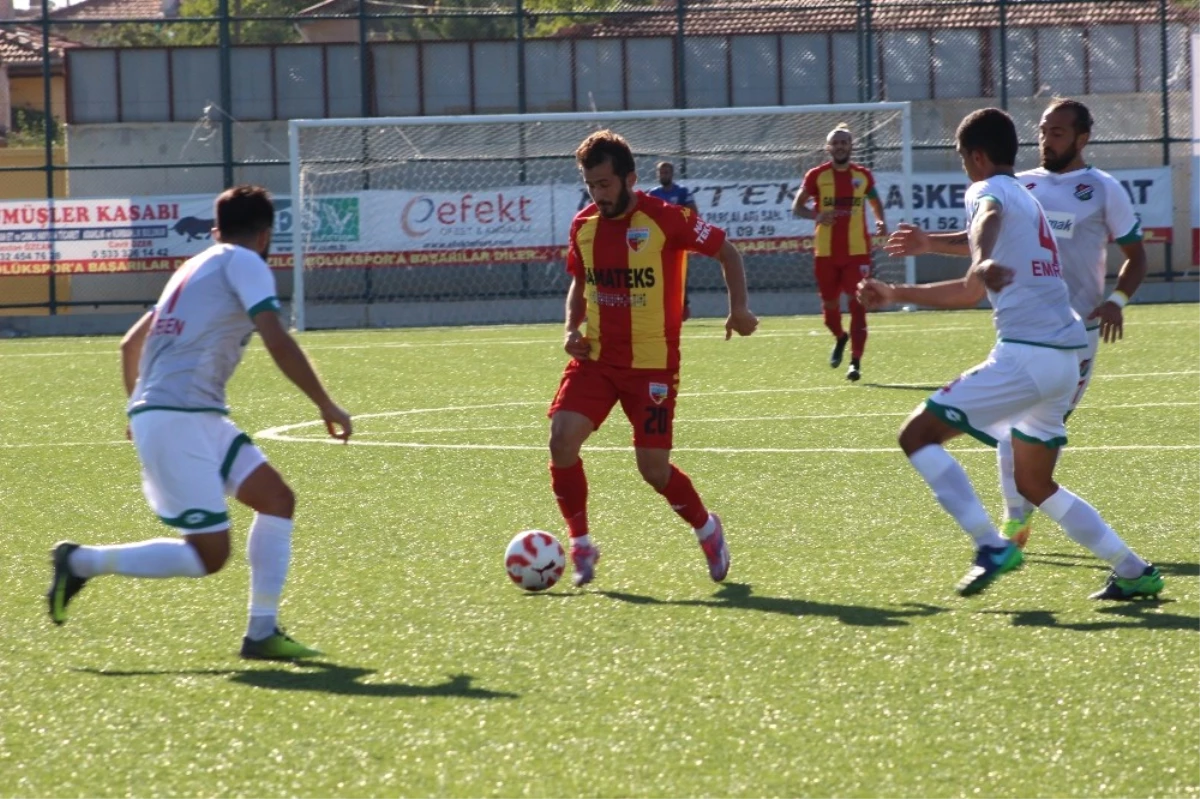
point(1024, 388)
point(176, 361)
point(1086, 208)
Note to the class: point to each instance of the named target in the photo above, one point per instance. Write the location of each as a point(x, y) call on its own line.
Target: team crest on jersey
point(1083, 191)
point(636, 238)
point(659, 392)
point(1031, 186)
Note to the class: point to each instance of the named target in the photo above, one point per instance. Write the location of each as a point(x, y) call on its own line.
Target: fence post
point(224, 53)
point(869, 26)
point(1169, 271)
point(364, 75)
point(680, 60)
point(1004, 54)
point(47, 121)
point(522, 87)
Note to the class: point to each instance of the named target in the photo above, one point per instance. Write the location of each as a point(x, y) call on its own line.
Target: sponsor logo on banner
point(659, 392)
point(636, 238)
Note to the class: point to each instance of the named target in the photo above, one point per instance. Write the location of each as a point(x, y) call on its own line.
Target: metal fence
point(197, 99)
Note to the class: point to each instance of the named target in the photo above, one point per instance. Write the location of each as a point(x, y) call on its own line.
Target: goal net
point(456, 220)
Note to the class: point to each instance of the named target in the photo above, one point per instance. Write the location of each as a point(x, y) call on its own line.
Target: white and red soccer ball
point(535, 560)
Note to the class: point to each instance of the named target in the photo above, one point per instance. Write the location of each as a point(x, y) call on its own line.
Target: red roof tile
point(722, 17)
point(113, 9)
point(22, 46)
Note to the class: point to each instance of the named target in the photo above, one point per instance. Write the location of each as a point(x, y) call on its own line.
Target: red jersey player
point(841, 189)
point(628, 263)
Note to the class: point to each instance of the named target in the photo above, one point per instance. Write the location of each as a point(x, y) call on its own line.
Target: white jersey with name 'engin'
point(1086, 208)
point(1034, 307)
point(200, 328)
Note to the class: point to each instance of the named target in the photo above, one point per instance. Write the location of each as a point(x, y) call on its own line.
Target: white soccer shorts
point(1087, 367)
point(1021, 389)
point(190, 462)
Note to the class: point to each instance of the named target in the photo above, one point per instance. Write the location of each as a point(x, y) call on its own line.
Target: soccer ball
point(535, 560)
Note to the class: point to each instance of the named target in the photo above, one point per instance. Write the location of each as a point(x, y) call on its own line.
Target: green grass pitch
point(835, 661)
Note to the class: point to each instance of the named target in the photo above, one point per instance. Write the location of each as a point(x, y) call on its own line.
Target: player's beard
point(1057, 162)
point(845, 159)
point(619, 207)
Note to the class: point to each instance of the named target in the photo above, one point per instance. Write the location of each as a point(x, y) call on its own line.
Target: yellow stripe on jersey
point(648, 321)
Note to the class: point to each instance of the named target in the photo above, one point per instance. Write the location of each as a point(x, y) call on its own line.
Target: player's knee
point(831, 305)
point(564, 449)
point(656, 474)
point(1034, 488)
point(212, 549)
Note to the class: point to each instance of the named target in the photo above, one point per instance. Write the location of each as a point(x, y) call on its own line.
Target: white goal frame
point(607, 118)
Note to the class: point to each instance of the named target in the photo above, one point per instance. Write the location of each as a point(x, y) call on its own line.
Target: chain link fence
point(181, 98)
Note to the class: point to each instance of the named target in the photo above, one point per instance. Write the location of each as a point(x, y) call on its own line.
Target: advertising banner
point(480, 227)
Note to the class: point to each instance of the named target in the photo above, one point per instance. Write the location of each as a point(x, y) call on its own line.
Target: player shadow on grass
point(903, 387)
point(329, 678)
point(740, 596)
point(1087, 561)
point(1142, 614)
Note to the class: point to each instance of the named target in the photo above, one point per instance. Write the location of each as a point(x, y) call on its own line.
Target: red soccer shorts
point(646, 395)
point(837, 276)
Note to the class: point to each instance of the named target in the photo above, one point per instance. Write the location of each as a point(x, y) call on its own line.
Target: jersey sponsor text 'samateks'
point(1086, 208)
point(200, 328)
point(1034, 308)
point(634, 269)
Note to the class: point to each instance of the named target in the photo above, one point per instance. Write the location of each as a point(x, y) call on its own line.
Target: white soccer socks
point(159, 557)
point(954, 493)
point(269, 550)
point(1084, 525)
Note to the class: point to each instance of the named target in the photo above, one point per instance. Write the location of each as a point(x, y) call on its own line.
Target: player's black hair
point(605, 145)
point(244, 211)
point(991, 131)
point(1083, 117)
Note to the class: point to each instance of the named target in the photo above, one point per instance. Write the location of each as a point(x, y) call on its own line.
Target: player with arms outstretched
point(627, 258)
point(1024, 388)
point(176, 361)
point(840, 190)
point(1086, 207)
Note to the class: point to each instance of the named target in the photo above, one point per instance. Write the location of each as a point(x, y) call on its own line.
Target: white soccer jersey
point(201, 326)
point(1086, 208)
point(1034, 307)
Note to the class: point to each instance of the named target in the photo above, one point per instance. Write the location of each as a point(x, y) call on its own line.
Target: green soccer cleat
point(990, 563)
point(1018, 530)
point(63, 585)
point(1147, 585)
point(276, 646)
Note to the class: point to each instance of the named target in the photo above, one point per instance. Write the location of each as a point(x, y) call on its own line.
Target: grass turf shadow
point(740, 596)
point(325, 677)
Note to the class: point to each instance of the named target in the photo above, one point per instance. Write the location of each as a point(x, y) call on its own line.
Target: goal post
point(464, 219)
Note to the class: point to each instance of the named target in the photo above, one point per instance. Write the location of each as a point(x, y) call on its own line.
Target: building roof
point(21, 46)
point(116, 9)
point(722, 17)
point(350, 8)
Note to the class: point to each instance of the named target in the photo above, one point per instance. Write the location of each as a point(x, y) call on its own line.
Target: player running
point(176, 361)
point(1024, 389)
point(628, 263)
point(1086, 207)
point(839, 190)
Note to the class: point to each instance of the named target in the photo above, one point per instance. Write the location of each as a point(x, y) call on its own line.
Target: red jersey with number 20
point(634, 269)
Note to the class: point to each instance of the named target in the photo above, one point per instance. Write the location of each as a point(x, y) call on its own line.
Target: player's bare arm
point(131, 350)
point(295, 365)
point(740, 320)
point(911, 240)
point(1111, 312)
point(573, 341)
point(801, 209)
point(880, 219)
